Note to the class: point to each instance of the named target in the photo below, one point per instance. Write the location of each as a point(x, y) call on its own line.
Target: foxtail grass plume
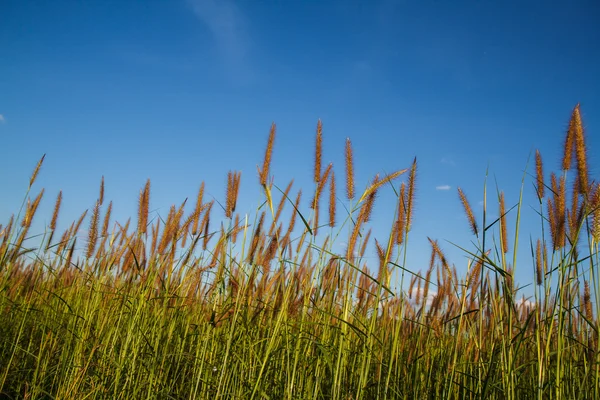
point(468, 211)
point(539, 173)
point(332, 202)
point(143, 208)
point(504, 237)
point(93, 231)
point(264, 171)
point(580, 150)
point(410, 197)
point(318, 151)
point(36, 171)
point(349, 170)
point(101, 194)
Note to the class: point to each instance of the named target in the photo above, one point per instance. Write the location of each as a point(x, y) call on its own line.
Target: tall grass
point(260, 306)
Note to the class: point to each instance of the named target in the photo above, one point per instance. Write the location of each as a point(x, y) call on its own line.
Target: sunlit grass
point(201, 305)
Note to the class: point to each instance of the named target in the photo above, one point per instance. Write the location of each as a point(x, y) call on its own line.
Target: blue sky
point(183, 91)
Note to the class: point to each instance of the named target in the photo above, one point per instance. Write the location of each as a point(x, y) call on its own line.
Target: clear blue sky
point(183, 91)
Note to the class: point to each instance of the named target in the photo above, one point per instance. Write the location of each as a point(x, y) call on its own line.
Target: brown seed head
point(264, 171)
point(318, 151)
point(504, 237)
point(93, 231)
point(539, 274)
point(332, 202)
point(101, 195)
point(580, 150)
point(468, 211)
point(106, 220)
point(349, 170)
point(56, 211)
point(36, 171)
point(539, 172)
point(401, 218)
point(198, 209)
point(143, 208)
point(410, 199)
point(569, 145)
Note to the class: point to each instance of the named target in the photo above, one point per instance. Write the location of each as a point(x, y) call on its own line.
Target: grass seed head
point(468, 211)
point(349, 170)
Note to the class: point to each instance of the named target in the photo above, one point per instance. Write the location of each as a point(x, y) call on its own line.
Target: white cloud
point(447, 160)
point(2, 120)
point(227, 24)
point(442, 187)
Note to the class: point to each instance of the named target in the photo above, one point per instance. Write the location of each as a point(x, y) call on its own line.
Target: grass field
point(206, 303)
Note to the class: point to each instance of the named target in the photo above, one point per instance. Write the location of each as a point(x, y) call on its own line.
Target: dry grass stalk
point(587, 302)
point(31, 210)
point(596, 214)
point(256, 238)
point(349, 170)
point(197, 210)
point(167, 231)
point(314, 204)
point(410, 199)
point(364, 244)
point(101, 194)
point(400, 225)
point(280, 206)
point(539, 174)
point(93, 231)
point(36, 171)
point(503, 235)
point(366, 209)
point(468, 211)
point(264, 171)
point(56, 211)
point(70, 254)
point(292, 222)
point(580, 150)
point(560, 196)
point(204, 227)
point(143, 208)
point(318, 151)
point(233, 186)
point(539, 274)
point(569, 146)
point(332, 202)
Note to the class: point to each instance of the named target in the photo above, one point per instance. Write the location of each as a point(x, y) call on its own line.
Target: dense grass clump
point(262, 307)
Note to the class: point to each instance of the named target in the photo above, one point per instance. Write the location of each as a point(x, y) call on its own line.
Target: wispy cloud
point(227, 25)
point(447, 160)
point(2, 120)
point(442, 187)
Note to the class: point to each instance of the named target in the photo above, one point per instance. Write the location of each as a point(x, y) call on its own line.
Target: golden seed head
point(143, 208)
point(539, 275)
point(580, 150)
point(264, 171)
point(410, 197)
point(36, 171)
point(539, 172)
point(93, 231)
point(504, 237)
point(101, 195)
point(318, 151)
point(349, 170)
point(56, 211)
point(569, 146)
point(332, 202)
point(468, 211)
